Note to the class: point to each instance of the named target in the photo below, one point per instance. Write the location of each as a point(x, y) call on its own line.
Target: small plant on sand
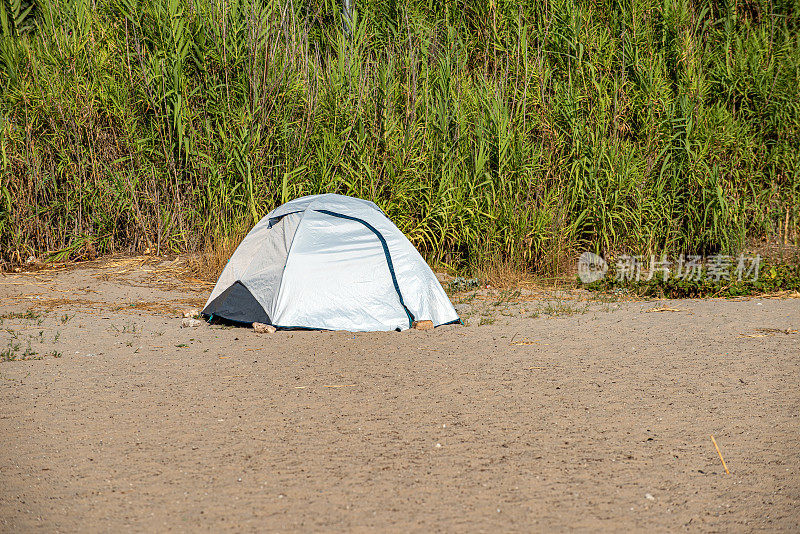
point(606, 297)
point(128, 328)
point(27, 315)
point(10, 352)
point(467, 298)
point(29, 353)
point(559, 308)
point(507, 296)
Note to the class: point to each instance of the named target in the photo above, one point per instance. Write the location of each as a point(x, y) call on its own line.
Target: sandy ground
point(556, 413)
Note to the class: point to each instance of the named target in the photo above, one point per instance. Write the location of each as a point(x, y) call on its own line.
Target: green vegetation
point(9, 353)
point(28, 315)
point(559, 308)
point(460, 284)
point(487, 318)
point(12, 350)
point(486, 129)
point(128, 328)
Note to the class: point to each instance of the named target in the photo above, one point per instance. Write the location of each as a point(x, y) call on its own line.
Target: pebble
point(261, 328)
point(190, 323)
point(649, 497)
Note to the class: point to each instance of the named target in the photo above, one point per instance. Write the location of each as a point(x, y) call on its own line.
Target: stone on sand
point(423, 325)
point(190, 323)
point(261, 328)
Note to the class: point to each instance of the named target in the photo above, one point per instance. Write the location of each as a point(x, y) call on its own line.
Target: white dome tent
point(329, 262)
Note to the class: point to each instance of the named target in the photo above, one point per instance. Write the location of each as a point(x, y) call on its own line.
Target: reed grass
point(489, 131)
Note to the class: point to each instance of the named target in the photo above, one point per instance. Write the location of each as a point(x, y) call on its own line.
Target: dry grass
point(208, 264)
point(52, 304)
point(169, 308)
point(187, 272)
point(505, 275)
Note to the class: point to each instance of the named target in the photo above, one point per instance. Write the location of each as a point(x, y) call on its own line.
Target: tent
point(329, 262)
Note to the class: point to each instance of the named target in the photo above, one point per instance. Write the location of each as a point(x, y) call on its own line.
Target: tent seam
point(288, 255)
point(389, 262)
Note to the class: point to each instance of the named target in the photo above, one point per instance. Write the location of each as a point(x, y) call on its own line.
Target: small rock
point(261, 328)
point(191, 313)
point(423, 325)
point(438, 445)
point(190, 323)
point(649, 497)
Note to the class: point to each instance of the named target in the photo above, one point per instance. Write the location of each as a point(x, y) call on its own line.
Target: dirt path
point(553, 414)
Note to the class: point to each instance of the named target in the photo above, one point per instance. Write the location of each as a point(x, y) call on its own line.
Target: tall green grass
point(487, 130)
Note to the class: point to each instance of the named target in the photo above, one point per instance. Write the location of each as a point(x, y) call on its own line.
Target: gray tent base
point(238, 305)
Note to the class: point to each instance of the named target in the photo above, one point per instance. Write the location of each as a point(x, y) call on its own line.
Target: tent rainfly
point(329, 262)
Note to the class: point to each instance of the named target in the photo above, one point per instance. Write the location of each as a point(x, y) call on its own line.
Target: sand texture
point(545, 412)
